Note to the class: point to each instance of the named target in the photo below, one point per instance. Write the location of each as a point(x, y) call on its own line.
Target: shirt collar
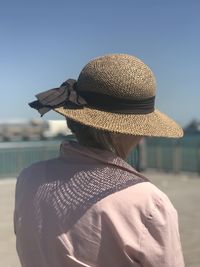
point(74, 149)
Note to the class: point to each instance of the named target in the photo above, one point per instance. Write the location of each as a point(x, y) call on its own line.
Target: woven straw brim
point(152, 124)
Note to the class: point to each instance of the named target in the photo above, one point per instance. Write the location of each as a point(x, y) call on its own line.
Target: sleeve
point(160, 241)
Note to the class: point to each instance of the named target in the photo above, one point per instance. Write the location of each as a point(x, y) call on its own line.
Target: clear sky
point(44, 42)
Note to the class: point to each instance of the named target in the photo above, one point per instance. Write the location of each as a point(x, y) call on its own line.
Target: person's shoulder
point(148, 191)
point(155, 199)
point(38, 166)
point(143, 197)
point(35, 171)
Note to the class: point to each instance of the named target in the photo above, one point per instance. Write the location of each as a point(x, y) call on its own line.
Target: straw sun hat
point(114, 92)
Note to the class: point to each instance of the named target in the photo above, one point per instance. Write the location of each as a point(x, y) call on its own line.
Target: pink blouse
point(90, 208)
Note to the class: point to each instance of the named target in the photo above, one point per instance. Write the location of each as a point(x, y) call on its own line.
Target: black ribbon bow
point(65, 95)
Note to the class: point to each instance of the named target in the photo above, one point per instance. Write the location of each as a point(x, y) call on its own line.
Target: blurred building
point(33, 130)
point(56, 128)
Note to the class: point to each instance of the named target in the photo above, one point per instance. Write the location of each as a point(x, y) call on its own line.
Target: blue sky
point(45, 42)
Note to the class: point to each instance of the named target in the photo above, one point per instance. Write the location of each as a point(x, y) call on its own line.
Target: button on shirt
point(90, 208)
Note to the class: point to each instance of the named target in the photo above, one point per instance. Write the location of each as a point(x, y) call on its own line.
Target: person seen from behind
point(89, 207)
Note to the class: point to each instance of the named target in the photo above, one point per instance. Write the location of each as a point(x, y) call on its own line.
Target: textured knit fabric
point(90, 208)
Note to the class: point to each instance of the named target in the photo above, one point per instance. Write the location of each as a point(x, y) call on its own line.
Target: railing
point(174, 155)
point(16, 156)
point(158, 153)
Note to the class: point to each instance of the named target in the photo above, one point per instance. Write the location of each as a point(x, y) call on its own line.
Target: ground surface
point(183, 190)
